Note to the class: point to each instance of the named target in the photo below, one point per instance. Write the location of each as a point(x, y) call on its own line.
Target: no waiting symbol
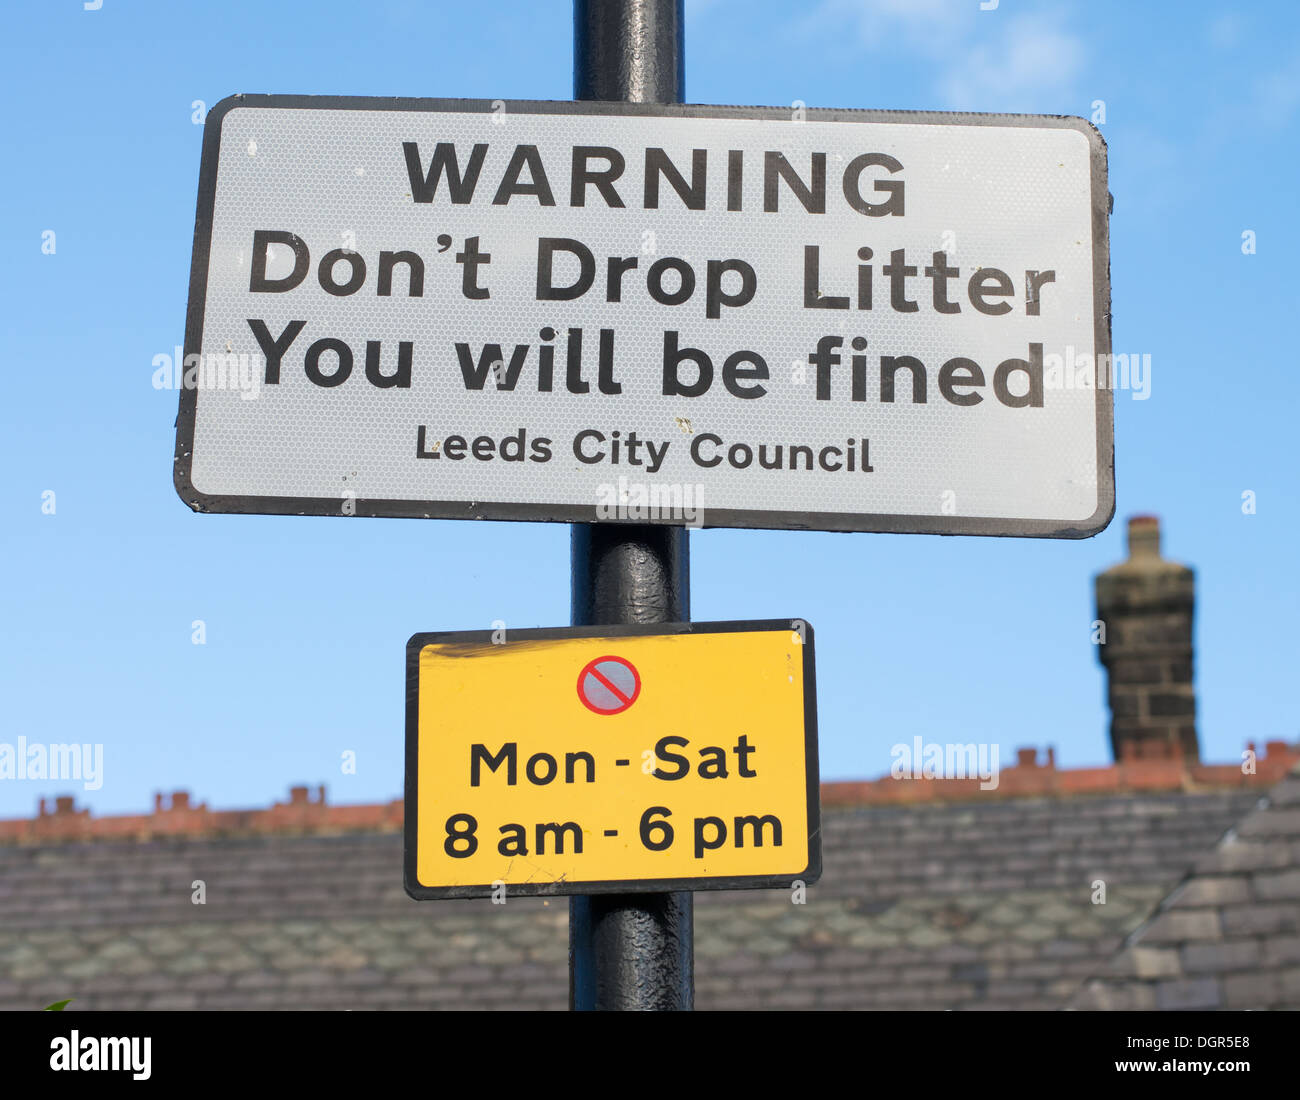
point(608, 685)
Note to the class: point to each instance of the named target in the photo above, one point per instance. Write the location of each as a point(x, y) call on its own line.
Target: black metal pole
point(630, 951)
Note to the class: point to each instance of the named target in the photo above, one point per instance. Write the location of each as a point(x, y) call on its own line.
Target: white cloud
point(1225, 31)
point(1030, 58)
point(1277, 94)
point(696, 8)
point(887, 24)
point(1000, 59)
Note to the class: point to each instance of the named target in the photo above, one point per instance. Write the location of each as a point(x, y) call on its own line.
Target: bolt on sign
point(680, 756)
point(716, 316)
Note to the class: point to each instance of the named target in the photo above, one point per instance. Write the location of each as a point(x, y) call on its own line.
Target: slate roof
point(986, 903)
point(1228, 936)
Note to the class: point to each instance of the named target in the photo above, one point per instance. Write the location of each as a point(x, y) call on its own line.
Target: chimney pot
point(1144, 537)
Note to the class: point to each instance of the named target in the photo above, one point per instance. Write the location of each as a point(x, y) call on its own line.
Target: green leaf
point(57, 1006)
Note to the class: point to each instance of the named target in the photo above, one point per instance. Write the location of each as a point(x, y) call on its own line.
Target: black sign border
point(570, 513)
point(410, 831)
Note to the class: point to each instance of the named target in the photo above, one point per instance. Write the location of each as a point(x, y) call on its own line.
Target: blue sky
point(952, 639)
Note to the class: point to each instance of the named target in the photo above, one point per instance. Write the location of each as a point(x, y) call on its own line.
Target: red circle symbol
point(608, 685)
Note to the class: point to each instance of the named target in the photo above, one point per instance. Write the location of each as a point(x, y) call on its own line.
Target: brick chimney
point(1146, 604)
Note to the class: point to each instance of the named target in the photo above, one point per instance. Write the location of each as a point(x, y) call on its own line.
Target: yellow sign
point(680, 756)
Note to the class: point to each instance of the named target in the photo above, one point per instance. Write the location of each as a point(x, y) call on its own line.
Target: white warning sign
point(710, 316)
